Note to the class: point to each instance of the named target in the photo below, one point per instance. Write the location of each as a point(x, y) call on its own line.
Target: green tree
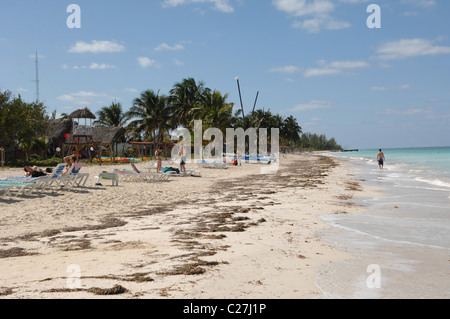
point(20, 123)
point(154, 116)
point(184, 97)
point(214, 110)
point(112, 116)
point(290, 131)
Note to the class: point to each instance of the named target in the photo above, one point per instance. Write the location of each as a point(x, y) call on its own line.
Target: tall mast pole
point(37, 78)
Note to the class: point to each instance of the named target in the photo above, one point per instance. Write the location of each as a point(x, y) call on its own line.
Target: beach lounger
point(129, 176)
point(78, 179)
point(113, 177)
point(258, 159)
point(74, 178)
point(149, 177)
point(6, 190)
point(21, 187)
point(54, 180)
point(206, 164)
point(189, 172)
point(159, 176)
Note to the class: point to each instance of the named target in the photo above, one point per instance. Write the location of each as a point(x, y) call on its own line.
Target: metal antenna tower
point(37, 78)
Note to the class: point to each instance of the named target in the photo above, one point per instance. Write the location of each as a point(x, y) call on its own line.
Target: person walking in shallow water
point(380, 159)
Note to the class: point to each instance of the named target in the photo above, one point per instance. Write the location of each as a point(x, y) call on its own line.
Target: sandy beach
point(231, 233)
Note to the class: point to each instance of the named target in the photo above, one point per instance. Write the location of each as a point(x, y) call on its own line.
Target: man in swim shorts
point(380, 159)
point(182, 159)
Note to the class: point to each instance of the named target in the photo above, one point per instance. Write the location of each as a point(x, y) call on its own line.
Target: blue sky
point(315, 60)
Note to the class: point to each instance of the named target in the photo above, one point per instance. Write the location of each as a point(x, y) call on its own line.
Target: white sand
point(168, 225)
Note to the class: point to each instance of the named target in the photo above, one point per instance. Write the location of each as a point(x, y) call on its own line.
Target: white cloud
point(145, 62)
point(406, 48)
point(411, 111)
point(285, 69)
point(312, 105)
point(317, 14)
point(354, 1)
point(317, 24)
point(92, 66)
point(301, 8)
point(166, 47)
point(319, 72)
point(81, 97)
point(220, 5)
point(103, 66)
point(333, 68)
point(410, 14)
point(347, 64)
point(178, 62)
point(421, 3)
point(131, 90)
point(379, 88)
point(96, 47)
point(386, 88)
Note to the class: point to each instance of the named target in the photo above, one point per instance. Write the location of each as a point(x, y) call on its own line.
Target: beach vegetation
point(21, 124)
point(112, 116)
point(318, 142)
point(152, 117)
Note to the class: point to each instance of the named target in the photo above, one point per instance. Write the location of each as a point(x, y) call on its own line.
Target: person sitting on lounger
point(69, 160)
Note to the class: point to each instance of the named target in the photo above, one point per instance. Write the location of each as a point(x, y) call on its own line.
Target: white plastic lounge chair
point(158, 176)
point(113, 177)
point(56, 177)
point(74, 177)
point(6, 190)
point(129, 176)
point(142, 177)
point(206, 164)
point(149, 177)
point(78, 179)
point(21, 186)
point(30, 184)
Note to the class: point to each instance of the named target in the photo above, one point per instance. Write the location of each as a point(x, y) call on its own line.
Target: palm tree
point(185, 96)
point(214, 110)
point(38, 143)
point(154, 116)
point(290, 130)
point(112, 116)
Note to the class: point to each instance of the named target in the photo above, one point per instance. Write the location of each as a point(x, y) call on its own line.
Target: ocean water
point(406, 228)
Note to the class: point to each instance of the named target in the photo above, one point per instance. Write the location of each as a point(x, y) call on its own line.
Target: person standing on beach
point(182, 159)
point(158, 159)
point(380, 159)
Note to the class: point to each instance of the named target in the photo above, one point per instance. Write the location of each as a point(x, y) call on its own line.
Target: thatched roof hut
point(57, 129)
point(107, 134)
point(82, 114)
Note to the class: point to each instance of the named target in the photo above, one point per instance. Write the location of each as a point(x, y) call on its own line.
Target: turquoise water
point(405, 227)
point(429, 165)
point(415, 206)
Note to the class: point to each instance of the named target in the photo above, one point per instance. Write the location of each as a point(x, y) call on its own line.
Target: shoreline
point(230, 234)
point(382, 238)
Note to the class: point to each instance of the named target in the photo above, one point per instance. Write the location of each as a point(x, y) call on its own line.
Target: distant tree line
point(151, 117)
point(318, 142)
